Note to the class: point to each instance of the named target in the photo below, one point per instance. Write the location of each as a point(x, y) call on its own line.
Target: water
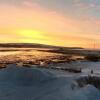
point(9, 53)
point(25, 55)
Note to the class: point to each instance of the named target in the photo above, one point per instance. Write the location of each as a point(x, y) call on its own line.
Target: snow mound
point(24, 76)
point(21, 83)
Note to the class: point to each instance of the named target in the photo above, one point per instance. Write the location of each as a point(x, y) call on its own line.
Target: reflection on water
point(32, 56)
point(14, 51)
point(29, 54)
point(26, 56)
point(9, 53)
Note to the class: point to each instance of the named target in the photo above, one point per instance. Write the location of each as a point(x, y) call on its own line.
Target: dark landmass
point(34, 45)
point(47, 48)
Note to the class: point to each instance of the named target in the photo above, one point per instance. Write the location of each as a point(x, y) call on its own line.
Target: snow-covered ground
point(86, 66)
point(19, 83)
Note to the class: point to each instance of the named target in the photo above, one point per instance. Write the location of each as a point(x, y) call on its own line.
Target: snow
point(86, 66)
point(19, 83)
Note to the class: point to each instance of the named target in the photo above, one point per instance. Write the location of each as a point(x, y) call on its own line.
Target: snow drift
point(19, 83)
point(24, 76)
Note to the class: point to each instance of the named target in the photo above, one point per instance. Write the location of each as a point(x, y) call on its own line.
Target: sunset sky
point(54, 22)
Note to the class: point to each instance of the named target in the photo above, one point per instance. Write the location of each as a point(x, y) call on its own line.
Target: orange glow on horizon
point(35, 36)
point(31, 22)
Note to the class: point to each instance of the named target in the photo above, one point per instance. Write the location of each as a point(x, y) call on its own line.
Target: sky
point(71, 23)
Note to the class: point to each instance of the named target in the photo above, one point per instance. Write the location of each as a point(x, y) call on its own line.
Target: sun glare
point(31, 33)
point(32, 36)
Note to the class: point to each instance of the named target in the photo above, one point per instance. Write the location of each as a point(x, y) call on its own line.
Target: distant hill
point(34, 45)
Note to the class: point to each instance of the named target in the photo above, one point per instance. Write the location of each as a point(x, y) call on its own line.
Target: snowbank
point(19, 83)
point(24, 76)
